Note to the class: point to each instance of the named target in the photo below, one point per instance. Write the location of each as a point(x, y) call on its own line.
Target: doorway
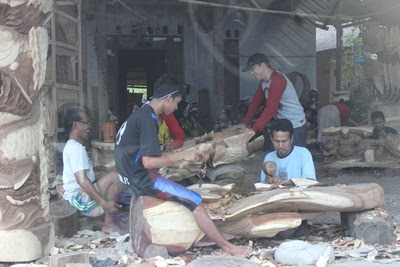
point(138, 70)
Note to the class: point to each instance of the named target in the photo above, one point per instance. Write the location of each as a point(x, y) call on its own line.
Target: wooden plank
point(68, 87)
point(315, 199)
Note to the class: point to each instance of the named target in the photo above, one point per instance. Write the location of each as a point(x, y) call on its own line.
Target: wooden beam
point(339, 52)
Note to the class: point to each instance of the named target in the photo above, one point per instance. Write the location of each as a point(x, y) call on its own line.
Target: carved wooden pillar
point(26, 232)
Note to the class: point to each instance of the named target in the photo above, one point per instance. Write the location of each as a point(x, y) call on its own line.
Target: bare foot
point(111, 228)
point(241, 251)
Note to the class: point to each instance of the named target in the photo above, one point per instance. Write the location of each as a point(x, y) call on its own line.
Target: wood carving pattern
point(23, 53)
point(348, 143)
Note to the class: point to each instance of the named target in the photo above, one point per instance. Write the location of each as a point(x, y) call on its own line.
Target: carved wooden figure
point(26, 232)
point(352, 147)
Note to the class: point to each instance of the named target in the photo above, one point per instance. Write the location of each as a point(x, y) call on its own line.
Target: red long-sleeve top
point(177, 134)
point(275, 91)
point(344, 112)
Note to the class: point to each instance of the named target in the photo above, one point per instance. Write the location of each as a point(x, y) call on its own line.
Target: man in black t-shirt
point(380, 130)
point(384, 138)
point(138, 157)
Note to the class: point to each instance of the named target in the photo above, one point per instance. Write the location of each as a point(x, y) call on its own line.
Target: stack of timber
point(165, 223)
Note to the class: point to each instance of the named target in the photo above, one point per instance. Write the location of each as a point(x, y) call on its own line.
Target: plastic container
point(109, 132)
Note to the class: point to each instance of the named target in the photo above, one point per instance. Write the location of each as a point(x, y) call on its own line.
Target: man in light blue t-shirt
point(287, 161)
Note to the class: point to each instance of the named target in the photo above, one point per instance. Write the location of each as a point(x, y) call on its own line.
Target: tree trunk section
point(65, 218)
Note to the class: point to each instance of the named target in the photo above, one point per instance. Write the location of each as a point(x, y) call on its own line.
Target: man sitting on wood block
point(386, 137)
point(90, 196)
point(380, 130)
point(138, 157)
point(287, 161)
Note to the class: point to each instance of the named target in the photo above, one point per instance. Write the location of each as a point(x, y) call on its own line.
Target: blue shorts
point(86, 205)
point(168, 190)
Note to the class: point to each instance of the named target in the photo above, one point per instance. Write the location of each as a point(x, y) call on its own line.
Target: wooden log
point(163, 223)
point(316, 199)
point(65, 218)
point(372, 226)
point(266, 225)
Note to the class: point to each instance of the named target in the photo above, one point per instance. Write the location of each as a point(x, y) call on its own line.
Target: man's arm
point(170, 159)
point(177, 133)
point(391, 143)
point(276, 90)
point(254, 105)
point(88, 187)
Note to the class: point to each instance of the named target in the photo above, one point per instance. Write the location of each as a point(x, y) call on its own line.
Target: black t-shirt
point(388, 130)
point(137, 137)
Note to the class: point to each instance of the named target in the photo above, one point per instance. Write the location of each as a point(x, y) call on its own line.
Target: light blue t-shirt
point(298, 164)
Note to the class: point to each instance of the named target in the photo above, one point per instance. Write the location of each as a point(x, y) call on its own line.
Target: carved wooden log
point(26, 232)
point(164, 223)
point(227, 147)
point(236, 148)
point(266, 225)
point(188, 169)
point(334, 198)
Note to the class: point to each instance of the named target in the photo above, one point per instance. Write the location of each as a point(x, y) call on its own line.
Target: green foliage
point(356, 81)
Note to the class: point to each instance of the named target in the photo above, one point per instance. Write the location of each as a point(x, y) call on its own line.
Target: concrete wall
point(289, 45)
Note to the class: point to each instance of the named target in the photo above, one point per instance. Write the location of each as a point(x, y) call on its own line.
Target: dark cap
point(167, 85)
point(255, 59)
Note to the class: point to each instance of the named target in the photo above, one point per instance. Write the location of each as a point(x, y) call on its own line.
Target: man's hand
point(274, 180)
point(191, 154)
point(382, 134)
point(366, 135)
point(110, 206)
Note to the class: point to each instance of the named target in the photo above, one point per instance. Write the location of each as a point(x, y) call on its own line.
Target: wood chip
point(371, 255)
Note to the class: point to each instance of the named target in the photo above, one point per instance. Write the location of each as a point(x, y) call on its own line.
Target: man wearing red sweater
point(175, 130)
point(281, 99)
